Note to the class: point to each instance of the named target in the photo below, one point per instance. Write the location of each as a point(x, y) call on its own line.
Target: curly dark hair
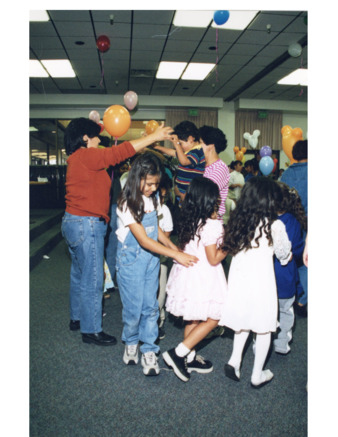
point(257, 206)
point(131, 195)
point(200, 202)
point(299, 150)
point(77, 128)
point(292, 203)
point(185, 129)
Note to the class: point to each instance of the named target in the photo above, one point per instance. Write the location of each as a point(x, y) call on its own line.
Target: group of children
point(264, 238)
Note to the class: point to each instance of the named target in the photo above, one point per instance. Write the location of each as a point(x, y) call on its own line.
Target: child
point(165, 222)
point(293, 216)
point(189, 153)
point(197, 293)
point(253, 234)
point(137, 263)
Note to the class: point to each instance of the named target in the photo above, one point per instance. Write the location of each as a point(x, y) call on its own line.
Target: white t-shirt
point(235, 178)
point(165, 219)
point(125, 217)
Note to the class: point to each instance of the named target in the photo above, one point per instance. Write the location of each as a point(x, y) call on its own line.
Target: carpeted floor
point(81, 390)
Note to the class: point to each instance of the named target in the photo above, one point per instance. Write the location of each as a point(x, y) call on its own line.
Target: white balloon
point(295, 50)
point(94, 116)
point(252, 139)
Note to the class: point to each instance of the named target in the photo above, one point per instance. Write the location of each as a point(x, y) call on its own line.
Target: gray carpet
point(82, 390)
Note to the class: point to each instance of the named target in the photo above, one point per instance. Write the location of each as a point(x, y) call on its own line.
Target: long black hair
point(131, 195)
point(292, 203)
point(200, 202)
point(77, 128)
point(257, 206)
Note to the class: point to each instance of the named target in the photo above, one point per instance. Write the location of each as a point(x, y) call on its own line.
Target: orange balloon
point(151, 126)
point(116, 120)
point(289, 138)
point(243, 149)
point(239, 156)
point(236, 149)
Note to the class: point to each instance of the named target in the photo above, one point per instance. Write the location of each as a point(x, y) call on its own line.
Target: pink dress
point(198, 292)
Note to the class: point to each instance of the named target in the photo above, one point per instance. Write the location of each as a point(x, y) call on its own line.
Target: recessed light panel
point(36, 69)
point(238, 20)
point(170, 70)
point(59, 67)
point(297, 77)
point(196, 71)
point(193, 18)
point(38, 16)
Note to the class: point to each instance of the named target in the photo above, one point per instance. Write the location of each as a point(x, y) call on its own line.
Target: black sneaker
point(200, 365)
point(178, 364)
point(74, 325)
point(161, 333)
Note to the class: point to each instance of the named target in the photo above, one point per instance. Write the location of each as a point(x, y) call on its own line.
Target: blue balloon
point(266, 165)
point(221, 17)
point(265, 151)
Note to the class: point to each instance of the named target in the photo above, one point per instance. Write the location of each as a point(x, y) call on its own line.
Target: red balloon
point(103, 43)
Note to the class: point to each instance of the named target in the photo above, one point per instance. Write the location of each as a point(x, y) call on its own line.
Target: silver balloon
point(295, 50)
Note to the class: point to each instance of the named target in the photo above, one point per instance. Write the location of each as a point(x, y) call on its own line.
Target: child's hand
point(185, 259)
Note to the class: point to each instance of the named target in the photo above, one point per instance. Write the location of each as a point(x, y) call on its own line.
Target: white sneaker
point(150, 364)
point(130, 355)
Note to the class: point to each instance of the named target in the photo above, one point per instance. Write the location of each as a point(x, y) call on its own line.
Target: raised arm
point(160, 134)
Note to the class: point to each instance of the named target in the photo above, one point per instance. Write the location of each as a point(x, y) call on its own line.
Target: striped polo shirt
point(219, 173)
point(185, 174)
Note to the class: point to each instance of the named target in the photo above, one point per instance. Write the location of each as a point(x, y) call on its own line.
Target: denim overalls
point(137, 272)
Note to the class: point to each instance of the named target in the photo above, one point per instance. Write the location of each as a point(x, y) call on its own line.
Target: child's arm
point(165, 150)
point(169, 249)
point(214, 255)
point(281, 243)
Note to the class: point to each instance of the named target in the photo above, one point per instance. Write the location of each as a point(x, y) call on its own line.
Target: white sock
point(191, 356)
point(182, 350)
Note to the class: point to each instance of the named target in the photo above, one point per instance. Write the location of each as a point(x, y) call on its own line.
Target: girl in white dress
point(197, 293)
point(253, 236)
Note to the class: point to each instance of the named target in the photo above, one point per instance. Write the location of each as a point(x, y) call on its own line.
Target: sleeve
point(98, 159)
point(125, 216)
point(165, 219)
point(231, 179)
point(281, 242)
point(194, 157)
point(212, 232)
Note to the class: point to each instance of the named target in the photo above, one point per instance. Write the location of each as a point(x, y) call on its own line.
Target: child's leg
point(260, 376)
point(286, 321)
point(162, 292)
point(235, 361)
point(195, 332)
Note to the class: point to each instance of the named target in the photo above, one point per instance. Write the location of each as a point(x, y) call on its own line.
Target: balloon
point(130, 100)
point(243, 149)
point(252, 139)
point(236, 149)
point(103, 43)
point(239, 156)
point(289, 138)
point(295, 50)
point(94, 116)
point(221, 17)
point(266, 165)
point(265, 151)
point(116, 120)
point(151, 126)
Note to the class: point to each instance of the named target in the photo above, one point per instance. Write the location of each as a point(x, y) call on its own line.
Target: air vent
point(142, 73)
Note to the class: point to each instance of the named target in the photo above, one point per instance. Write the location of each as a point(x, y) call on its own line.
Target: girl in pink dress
point(197, 293)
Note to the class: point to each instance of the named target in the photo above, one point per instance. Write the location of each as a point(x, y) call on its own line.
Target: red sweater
point(88, 183)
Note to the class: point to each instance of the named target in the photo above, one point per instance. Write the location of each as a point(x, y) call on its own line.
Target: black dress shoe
point(101, 339)
point(74, 325)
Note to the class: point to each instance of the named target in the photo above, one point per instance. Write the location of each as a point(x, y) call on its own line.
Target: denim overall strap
point(137, 272)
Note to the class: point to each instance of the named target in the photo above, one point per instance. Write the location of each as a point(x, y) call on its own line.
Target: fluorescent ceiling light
point(238, 20)
point(192, 18)
point(59, 67)
point(196, 71)
point(38, 16)
point(297, 77)
point(36, 69)
point(170, 70)
point(33, 129)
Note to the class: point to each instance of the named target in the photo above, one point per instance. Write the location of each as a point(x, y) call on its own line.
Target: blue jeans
point(85, 239)
point(137, 272)
point(111, 242)
point(302, 270)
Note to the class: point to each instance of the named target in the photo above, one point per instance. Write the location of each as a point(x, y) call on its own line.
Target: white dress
point(197, 292)
point(251, 301)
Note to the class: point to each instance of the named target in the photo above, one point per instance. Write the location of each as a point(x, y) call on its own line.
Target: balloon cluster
point(266, 163)
point(252, 138)
point(239, 153)
point(289, 138)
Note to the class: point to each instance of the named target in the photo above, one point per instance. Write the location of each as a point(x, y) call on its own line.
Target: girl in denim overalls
point(138, 261)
